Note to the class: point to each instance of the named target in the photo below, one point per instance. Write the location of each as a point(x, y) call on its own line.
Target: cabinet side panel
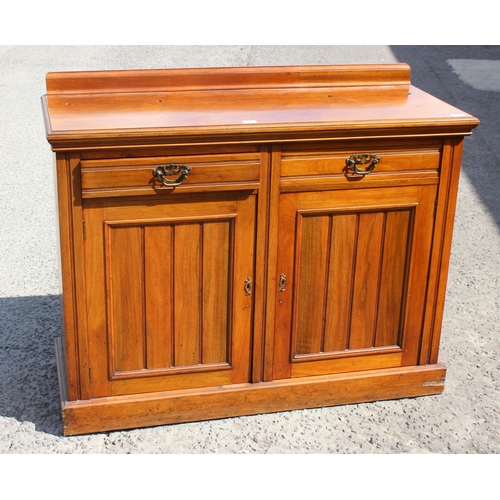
point(456, 159)
point(421, 230)
point(441, 248)
point(68, 303)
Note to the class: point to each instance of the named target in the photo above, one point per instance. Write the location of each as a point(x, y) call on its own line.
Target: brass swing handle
point(161, 171)
point(354, 160)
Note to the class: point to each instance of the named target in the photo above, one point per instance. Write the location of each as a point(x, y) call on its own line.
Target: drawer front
point(330, 164)
point(134, 176)
point(371, 166)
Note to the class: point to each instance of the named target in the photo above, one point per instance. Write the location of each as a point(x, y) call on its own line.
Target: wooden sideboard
point(238, 241)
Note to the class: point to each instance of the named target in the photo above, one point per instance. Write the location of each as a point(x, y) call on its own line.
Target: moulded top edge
point(148, 80)
point(136, 138)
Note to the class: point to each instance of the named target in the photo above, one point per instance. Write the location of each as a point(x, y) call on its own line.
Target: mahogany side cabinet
point(237, 241)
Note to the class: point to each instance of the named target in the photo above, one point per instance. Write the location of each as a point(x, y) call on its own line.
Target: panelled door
point(351, 272)
point(169, 292)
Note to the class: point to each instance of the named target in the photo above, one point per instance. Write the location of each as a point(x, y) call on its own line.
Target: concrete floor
point(464, 419)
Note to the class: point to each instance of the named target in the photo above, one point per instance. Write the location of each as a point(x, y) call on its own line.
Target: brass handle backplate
point(162, 171)
point(362, 159)
point(248, 286)
point(282, 282)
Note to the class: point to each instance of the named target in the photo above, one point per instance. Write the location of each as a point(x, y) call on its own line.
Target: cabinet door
point(351, 269)
point(169, 297)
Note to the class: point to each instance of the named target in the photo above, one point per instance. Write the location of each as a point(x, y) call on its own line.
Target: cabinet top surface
point(81, 107)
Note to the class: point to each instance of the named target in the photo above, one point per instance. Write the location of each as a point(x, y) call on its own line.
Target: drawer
point(335, 163)
point(134, 176)
point(323, 169)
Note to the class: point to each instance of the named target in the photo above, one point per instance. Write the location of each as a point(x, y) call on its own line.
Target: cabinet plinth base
point(160, 408)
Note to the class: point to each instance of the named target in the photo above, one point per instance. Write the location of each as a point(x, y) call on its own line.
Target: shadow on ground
point(28, 377)
point(431, 72)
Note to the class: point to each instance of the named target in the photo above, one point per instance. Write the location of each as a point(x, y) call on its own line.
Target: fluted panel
point(169, 294)
point(351, 275)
